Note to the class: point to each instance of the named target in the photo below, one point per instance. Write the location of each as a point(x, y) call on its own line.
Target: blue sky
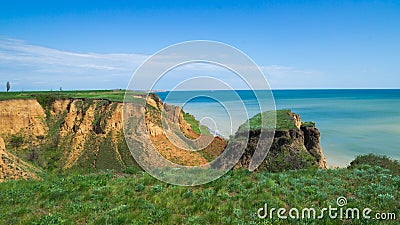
point(297, 44)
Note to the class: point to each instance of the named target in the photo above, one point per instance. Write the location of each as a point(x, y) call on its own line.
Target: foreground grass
point(138, 198)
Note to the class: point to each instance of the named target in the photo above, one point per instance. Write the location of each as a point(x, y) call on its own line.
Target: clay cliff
point(11, 167)
point(87, 134)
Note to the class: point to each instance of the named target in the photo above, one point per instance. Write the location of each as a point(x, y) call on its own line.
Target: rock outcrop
point(296, 146)
point(312, 138)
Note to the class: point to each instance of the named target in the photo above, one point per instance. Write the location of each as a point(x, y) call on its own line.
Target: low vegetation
point(282, 118)
point(194, 124)
point(134, 197)
point(376, 160)
point(308, 124)
point(46, 97)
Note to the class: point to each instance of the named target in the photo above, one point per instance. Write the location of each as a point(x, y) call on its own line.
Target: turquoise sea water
point(351, 122)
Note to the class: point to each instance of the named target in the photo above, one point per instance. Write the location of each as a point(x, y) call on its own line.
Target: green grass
point(137, 198)
point(283, 120)
point(308, 124)
point(45, 97)
point(195, 124)
point(378, 160)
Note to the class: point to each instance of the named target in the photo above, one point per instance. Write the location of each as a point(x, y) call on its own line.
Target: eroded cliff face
point(12, 168)
point(88, 134)
point(25, 116)
point(175, 139)
point(65, 133)
point(294, 148)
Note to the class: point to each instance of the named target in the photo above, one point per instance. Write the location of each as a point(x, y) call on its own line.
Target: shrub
point(376, 160)
point(16, 141)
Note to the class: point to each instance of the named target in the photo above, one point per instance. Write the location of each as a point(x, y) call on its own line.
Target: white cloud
point(31, 67)
point(45, 68)
point(16, 51)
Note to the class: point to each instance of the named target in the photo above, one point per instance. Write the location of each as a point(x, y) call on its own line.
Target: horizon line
point(162, 90)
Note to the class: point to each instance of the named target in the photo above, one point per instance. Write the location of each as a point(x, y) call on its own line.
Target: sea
point(351, 122)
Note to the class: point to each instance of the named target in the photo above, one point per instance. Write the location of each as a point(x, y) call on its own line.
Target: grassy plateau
point(111, 95)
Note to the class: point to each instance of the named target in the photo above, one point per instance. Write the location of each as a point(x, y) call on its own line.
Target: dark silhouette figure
point(8, 86)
